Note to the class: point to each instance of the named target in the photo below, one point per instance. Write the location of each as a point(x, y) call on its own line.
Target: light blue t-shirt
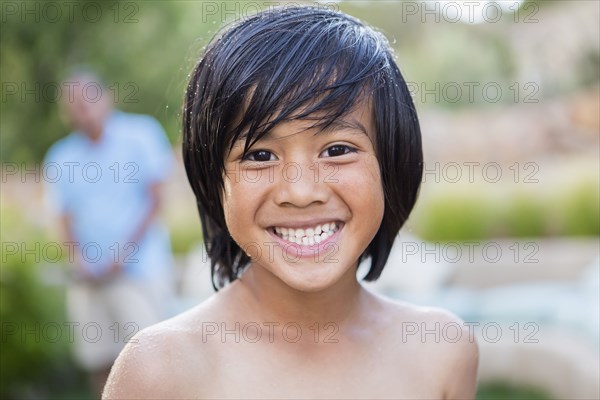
point(104, 187)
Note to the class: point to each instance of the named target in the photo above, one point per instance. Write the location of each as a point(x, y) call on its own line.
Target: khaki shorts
point(104, 318)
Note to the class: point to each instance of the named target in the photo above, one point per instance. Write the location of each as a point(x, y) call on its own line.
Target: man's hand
point(112, 272)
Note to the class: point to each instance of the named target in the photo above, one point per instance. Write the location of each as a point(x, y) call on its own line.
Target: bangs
point(314, 68)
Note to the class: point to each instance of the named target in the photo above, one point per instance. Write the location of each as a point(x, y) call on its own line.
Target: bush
point(455, 213)
point(505, 391)
point(35, 358)
point(582, 210)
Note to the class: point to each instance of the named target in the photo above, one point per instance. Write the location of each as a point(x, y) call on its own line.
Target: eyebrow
point(342, 124)
point(352, 126)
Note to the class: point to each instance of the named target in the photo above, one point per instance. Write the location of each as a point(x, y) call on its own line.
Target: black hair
point(288, 63)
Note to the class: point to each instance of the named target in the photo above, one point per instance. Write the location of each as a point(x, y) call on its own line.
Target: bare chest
point(316, 372)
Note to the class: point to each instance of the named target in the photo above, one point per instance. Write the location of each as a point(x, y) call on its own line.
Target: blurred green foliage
point(505, 391)
point(528, 216)
point(568, 207)
point(34, 360)
point(185, 236)
point(582, 209)
point(142, 50)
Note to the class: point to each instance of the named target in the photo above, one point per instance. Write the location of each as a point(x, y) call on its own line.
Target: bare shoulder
point(428, 324)
point(445, 341)
point(159, 361)
point(457, 353)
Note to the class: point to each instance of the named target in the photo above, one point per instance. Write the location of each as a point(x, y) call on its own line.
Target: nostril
point(303, 192)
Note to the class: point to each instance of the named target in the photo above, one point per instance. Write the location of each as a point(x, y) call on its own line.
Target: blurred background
point(505, 232)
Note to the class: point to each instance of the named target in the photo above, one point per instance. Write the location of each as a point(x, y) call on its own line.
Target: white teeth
point(308, 236)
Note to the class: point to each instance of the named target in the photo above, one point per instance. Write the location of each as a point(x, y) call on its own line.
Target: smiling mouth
point(307, 236)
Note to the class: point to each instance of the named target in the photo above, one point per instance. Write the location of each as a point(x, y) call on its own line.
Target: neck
point(276, 300)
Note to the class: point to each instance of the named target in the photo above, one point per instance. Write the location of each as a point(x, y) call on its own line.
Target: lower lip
point(296, 251)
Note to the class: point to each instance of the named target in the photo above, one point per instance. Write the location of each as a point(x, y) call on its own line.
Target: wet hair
point(296, 63)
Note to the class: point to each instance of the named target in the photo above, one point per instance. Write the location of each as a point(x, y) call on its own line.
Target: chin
point(312, 278)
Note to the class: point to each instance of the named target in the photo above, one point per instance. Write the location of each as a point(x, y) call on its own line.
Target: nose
point(300, 185)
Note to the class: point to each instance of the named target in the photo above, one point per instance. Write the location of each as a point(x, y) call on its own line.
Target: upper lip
point(311, 223)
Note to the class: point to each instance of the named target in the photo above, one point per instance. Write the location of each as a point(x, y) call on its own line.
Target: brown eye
point(259, 156)
point(337, 150)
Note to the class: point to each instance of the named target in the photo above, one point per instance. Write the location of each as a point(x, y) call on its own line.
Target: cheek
point(376, 180)
point(241, 200)
point(364, 179)
point(231, 206)
point(371, 178)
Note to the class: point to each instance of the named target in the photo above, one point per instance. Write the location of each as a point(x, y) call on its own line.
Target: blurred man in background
point(106, 191)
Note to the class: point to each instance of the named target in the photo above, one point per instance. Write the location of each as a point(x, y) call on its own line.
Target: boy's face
point(305, 206)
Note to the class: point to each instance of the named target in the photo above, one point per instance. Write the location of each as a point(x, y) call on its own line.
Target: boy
point(302, 146)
